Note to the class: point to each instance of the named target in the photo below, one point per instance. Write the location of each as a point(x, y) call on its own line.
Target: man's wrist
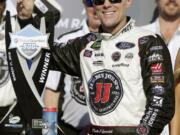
point(24, 22)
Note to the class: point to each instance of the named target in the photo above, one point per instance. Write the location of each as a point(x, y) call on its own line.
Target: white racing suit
point(127, 77)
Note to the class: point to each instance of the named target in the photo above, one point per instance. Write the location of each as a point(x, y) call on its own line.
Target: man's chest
point(121, 57)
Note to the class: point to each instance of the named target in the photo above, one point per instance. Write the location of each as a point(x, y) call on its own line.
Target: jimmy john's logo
point(125, 45)
point(29, 41)
point(105, 91)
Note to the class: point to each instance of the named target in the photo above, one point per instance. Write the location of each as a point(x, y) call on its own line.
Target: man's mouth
point(108, 12)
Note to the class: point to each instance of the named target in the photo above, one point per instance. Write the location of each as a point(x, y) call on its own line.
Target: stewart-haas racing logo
point(77, 91)
point(4, 73)
point(105, 91)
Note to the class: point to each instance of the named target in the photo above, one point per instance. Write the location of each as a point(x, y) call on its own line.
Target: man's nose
point(107, 3)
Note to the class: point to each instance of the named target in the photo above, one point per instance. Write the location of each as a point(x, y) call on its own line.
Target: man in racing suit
point(126, 71)
point(127, 78)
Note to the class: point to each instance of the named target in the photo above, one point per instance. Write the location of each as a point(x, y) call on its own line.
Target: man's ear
point(129, 2)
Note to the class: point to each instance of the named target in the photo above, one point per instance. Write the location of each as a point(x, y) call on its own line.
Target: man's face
point(169, 8)
point(25, 8)
point(112, 14)
point(93, 20)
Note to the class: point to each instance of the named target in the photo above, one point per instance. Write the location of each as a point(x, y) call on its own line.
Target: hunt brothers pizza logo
point(105, 91)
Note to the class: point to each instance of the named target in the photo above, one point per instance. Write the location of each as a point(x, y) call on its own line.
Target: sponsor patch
point(157, 79)
point(87, 53)
point(105, 91)
point(147, 115)
point(98, 63)
point(91, 37)
point(155, 57)
point(96, 45)
point(156, 48)
point(14, 125)
point(116, 56)
point(152, 118)
point(129, 56)
point(158, 90)
point(125, 45)
point(157, 101)
point(14, 119)
point(120, 65)
point(13, 122)
point(156, 68)
point(142, 129)
point(99, 54)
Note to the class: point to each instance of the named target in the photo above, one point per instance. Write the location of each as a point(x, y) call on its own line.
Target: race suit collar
point(130, 24)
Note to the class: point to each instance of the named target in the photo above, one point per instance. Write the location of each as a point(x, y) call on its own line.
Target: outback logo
point(4, 74)
point(125, 45)
point(116, 56)
point(14, 119)
point(29, 41)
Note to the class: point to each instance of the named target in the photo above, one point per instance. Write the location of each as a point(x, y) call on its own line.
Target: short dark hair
point(88, 3)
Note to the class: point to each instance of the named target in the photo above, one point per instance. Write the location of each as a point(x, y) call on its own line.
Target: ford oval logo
point(125, 45)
